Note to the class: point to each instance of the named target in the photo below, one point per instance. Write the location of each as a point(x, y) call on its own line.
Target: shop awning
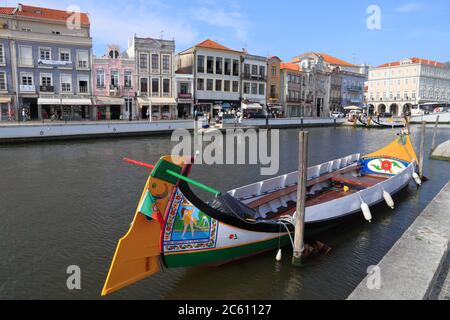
point(144, 101)
point(252, 106)
point(163, 101)
point(107, 101)
point(5, 99)
point(76, 102)
point(49, 101)
point(276, 106)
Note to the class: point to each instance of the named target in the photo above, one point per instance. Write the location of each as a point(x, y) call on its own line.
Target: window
point(143, 61)
point(166, 63)
point(200, 84)
point(235, 67)
point(114, 79)
point(83, 84)
point(274, 71)
point(219, 66)
point(262, 71)
point(201, 64)
point(246, 88)
point(155, 62)
point(66, 83)
point(83, 59)
point(235, 86)
point(127, 79)
point(100, 74)
point(64, 55)
point(155, 86)
point(25, 56)
point(254, 88)
point(166, 86)
point(3, 81)
point(210, 65)
point(26, 79)
point(144, 86)
point(45, 54)
point(227, 86)
point(254, 70)
point(227, 67)
point(246, 69)
point(218, 85)
point(2, 54)
point(262, 89)
point(46, 79)
point(210, 85)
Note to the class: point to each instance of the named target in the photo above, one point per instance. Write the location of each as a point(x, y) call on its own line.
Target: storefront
point(76, 109)
point(50, 108)
point(28, 108)
point(6, 110)
point(157, 108)
point(214, 107)
point(109, 108)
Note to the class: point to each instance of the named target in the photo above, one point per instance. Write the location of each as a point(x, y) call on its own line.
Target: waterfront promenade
point(413, 267)
point(40, 131)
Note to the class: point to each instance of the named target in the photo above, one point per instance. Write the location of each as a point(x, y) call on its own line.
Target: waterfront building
point(291, 93)
point(254, 82)
point(184, 83)
point(274, 84)
point(396, 87)
point(7, 109)
point(217, 75)
point(47, 61)
point(155, 75)
point(114, 77)
point(325, 71)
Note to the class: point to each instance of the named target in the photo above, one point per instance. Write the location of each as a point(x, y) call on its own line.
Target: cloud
point(408, 7)
point(220, 18)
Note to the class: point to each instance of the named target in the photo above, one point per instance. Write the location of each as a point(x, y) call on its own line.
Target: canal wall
point(411, 269)
point(442, 152)
point(29, 132)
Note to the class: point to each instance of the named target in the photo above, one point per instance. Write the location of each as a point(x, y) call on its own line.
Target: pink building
point(114, 87)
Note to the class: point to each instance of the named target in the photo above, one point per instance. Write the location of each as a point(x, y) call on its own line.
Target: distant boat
point(382, 122)
point(174, 228)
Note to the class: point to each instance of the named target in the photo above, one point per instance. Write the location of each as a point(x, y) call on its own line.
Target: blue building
point(50, 61)
point(352, 89)
point(6, 84)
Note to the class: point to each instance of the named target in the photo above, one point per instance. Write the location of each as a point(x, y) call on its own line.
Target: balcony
point(47, 89)
point(27, 88)
point(256, 77)
point(354, 88)
point(114, 90)
point(273, 96)
point(185, 95)
point(83, 89)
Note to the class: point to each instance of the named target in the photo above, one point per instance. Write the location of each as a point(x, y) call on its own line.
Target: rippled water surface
point(67, 204)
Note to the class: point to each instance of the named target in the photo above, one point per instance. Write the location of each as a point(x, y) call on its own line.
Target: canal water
point(64, 204)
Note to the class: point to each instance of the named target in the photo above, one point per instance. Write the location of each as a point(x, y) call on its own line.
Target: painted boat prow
point(138, 253)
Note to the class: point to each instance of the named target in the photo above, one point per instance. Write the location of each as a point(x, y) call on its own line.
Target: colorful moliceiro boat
point(174, 228)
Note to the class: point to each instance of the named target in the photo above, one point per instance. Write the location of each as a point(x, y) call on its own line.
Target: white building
point(184, 84)
point(398, 86)
point(254, 82)
point(154, 76)
point(216, 70)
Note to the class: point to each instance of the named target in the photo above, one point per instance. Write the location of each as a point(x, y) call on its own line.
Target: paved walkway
point(411, 269)
point(441, 290)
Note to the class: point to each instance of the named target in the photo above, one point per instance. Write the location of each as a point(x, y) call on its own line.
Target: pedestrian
point(209, 117)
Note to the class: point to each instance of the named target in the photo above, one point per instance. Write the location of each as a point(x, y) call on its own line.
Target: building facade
point(114, 76)
point(254, 82)
point(184, 83)
point(398, 86)
point(155, 74)
point(217, 74)
point(50, 63)
point(274, 84)
point(352, 88)
point(291, 90)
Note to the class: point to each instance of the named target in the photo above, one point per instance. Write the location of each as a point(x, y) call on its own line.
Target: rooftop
point(327, 58)
point(414, 61)
point(43, 13)
point(290, 66)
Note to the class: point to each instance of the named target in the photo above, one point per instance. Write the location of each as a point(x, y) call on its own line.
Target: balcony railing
point(185, 95)
point(47, 88)
point(257, 77)
point(354, 88)
point(83, 89)
point(27, 88)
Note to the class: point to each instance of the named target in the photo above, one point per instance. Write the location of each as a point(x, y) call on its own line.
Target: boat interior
point(277, 197)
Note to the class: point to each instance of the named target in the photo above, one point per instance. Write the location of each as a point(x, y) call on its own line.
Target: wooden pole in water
point(422, 149)
point(301, 198)
point(433, 144)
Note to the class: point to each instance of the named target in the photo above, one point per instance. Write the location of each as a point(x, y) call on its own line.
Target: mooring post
point(433, 144)
point(301, 198)
point(422, 148)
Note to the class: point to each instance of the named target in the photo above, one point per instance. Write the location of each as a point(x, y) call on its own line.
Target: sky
point(284, 28)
